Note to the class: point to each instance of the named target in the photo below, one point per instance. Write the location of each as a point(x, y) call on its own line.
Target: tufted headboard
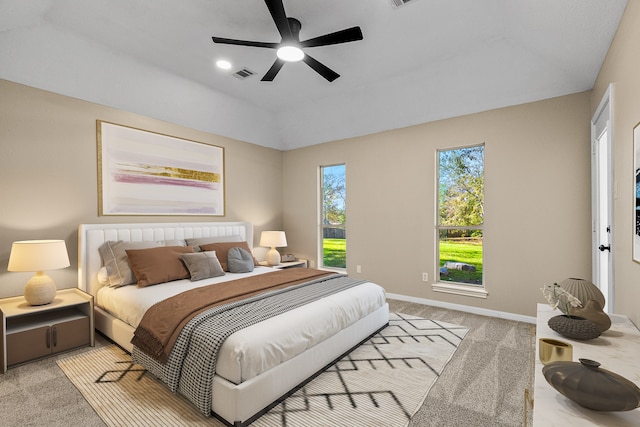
point(92, 236)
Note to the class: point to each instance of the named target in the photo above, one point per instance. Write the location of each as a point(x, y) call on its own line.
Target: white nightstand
point(33, 331)
point(301, 263)
point(616, 349)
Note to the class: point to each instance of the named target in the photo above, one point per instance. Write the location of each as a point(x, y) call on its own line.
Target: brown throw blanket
point(161, 324)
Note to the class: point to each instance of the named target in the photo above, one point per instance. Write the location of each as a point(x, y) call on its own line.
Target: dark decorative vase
point(591, 386)
point(577, 328)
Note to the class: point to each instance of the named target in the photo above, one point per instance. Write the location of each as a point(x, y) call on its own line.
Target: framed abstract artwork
point(636, 192)
point(147, 173)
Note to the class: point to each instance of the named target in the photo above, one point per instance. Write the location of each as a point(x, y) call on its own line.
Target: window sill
point(334, 269)
point(464, 290)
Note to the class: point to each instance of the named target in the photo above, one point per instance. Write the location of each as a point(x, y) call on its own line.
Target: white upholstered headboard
point(92, 236)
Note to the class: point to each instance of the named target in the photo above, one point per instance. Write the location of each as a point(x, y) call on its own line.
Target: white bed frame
point(236, 404)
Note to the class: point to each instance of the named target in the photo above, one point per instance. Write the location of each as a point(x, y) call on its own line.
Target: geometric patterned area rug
point(383, 382)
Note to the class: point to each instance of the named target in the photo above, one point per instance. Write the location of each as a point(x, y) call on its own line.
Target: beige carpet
point(382, 382)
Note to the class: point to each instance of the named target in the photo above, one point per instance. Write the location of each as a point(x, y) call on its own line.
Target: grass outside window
point(464, 251)
point(334, 253)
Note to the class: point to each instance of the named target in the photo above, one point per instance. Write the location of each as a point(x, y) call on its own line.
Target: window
point(333, 230)
point(460, 215)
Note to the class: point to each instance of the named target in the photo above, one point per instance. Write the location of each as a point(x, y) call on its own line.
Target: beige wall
point(622, 68)
point(537, 200)
point(48, 174)
point(48, 171)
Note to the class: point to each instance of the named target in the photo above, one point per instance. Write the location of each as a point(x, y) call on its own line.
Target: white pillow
point(103, 276)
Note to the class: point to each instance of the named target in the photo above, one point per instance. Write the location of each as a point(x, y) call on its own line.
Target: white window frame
point(321, 225)
point(457, 288)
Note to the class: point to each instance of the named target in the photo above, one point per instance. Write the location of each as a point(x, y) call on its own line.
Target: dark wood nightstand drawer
point(31, 332)
point(40, 335)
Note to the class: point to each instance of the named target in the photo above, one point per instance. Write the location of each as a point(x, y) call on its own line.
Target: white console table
point(617, 350)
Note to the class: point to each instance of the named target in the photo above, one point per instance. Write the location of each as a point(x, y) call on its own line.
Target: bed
point(290, 348)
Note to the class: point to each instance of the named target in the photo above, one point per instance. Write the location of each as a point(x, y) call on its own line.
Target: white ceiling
point(425, 61)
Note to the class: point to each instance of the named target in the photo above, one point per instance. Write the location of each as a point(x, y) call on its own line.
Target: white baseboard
point(465, 308)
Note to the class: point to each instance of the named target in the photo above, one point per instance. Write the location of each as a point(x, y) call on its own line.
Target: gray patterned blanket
point(191, 364)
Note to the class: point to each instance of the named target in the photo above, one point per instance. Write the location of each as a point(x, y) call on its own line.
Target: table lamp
point(273, 239)
point(38, 256)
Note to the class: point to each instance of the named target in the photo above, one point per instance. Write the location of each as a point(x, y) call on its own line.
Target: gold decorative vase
point(554, 351)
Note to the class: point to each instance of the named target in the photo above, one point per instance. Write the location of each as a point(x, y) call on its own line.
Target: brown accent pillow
point(114, 258)
point(116, 263)
point(202, 265)
point(158, 265)
point(197, 241)
point(223, 247)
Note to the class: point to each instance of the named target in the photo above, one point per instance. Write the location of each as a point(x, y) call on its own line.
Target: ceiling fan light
point(290, 53)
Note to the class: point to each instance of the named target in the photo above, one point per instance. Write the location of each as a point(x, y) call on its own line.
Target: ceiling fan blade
point(321, 69)
point(244, 42)
point(271, 74)
point(276, 8)
point(343, 36)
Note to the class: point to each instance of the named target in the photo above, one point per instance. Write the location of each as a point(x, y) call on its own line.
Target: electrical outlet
point(312, 264)
point(425, 277)
point(358, 269)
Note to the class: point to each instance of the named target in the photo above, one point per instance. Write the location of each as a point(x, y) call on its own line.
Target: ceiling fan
point(290, 47)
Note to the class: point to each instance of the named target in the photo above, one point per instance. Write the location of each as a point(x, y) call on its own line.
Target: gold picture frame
point(148, 173)
point(636, 205)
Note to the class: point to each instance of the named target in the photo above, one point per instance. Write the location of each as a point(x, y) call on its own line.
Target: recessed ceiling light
point(290, 53)
point(223, 64)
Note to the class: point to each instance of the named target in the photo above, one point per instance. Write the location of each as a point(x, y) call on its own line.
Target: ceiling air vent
point(398, 3)
point(243, 73)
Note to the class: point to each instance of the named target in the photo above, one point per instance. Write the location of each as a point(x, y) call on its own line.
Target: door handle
point(605, 248)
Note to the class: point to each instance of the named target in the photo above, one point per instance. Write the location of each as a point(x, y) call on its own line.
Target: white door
point(602, 199)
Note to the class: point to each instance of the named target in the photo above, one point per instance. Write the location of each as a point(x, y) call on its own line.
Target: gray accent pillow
point(202, 265)
point(116, 262)
point(239, 260)
point(197, 241)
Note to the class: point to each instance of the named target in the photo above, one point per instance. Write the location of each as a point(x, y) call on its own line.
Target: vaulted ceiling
point(424, 61)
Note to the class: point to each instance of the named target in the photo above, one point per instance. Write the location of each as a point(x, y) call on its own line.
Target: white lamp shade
point(38, 255)
point(273, 239)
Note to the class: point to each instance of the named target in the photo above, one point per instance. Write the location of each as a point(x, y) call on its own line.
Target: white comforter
point(255, 349)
